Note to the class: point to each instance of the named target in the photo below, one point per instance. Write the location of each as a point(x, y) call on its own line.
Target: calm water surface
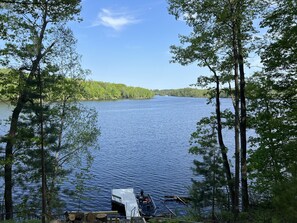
point(143, 144)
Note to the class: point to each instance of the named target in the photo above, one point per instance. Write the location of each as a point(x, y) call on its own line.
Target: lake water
point(143, 144)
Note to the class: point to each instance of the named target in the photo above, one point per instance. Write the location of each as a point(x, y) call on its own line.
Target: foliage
point(48, 128)
point(222, 36)
point(9, 85)
point(34, 30)
point(284, 200)
point(68, 149)
point(274, 157)
point(220, 40)
point(209, 189)
point(273, 115)
point(95, 90)
point(70, 135)
point(183, 92)
point(89, 90)
point(79, 188)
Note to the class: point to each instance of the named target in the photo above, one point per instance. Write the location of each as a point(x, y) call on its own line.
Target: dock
point(181, 199)
point(127, 198)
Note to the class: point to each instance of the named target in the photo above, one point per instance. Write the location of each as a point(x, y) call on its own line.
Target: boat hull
point(147, 207)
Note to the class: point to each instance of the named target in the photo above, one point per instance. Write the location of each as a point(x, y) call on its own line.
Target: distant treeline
point(183, 92)
point(90, 90)
point(187, 92)
point(96, 90)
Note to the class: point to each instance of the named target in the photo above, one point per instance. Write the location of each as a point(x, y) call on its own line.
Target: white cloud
point(114, 20)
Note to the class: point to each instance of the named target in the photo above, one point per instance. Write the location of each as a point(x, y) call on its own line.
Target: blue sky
point(127, 41)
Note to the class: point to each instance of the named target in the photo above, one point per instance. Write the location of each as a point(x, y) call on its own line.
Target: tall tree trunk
point(237, 146)
point(213, 217)
point(8, 181)
point(244, 183)
point(14, 121)
point(22, 100)
point(237, 151)
point(223, 148)
point(9, 157)
point(236, 118)
point(243, 117)
point(43, 173)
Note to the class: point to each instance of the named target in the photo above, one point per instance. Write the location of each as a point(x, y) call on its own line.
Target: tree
point(273, 108)
point(70, 135)
point(70, 130)
point(34, 30)
point(209, 190)
point(221, 40)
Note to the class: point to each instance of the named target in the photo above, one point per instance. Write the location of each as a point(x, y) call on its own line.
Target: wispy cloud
point(116, 20)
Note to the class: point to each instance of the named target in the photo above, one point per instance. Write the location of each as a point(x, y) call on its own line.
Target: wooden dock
point(181, 199)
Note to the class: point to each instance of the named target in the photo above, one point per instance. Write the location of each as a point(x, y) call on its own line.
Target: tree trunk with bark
point(237, 117)
point(244, 183)
point(222, 145)
point(223, 148)
point(9, 156)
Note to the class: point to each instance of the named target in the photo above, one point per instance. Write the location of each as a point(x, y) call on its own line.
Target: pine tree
point(209, 188)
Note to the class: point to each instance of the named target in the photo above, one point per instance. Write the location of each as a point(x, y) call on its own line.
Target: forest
point(184, 92)
point(50, 134)
point(90, 90)
point(187, 92)
point(95, 90)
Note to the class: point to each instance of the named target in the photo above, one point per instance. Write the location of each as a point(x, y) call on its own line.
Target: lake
point(143, 144)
